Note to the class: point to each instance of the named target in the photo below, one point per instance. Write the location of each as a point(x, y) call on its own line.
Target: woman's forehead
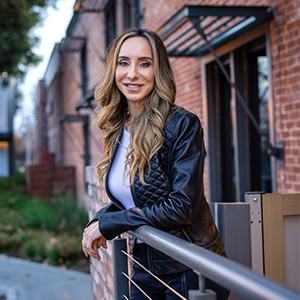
point(134, 46)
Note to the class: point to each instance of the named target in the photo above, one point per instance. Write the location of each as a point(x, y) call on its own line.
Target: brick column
point(101, 271)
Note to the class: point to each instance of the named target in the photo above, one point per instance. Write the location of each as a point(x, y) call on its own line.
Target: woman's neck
point(135, 108)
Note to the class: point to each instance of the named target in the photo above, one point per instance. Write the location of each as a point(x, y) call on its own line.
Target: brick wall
point(101, 271)
point(40, 115)
point(90, 26)
point(285, 35)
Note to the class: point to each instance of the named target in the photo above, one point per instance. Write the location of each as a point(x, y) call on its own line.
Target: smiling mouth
point(133, 85)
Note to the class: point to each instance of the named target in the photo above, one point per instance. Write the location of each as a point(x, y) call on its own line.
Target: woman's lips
point(133, 87)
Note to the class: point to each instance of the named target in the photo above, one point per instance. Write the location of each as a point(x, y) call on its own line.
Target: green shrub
point(40, 253)
point(39, 214)
point(64, 249)
point(24, 235)
point(8, 243)
point(10, 220)
point(53, 256)
point(21, 178)
point(56, 249)
point(39, 230)
point(34, 245)
point(72, 217)
point(70, 248)
point(29, 249)
point(13, 184)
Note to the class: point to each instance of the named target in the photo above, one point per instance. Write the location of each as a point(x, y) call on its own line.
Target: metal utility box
point(232, 220)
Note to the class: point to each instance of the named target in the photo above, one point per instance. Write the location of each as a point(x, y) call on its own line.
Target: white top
point(119, 187)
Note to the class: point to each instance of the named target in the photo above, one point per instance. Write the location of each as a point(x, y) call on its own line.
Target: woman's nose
point(132, 72)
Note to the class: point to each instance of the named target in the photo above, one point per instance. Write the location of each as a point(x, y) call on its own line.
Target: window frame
point(110, 12)
point(135, 15)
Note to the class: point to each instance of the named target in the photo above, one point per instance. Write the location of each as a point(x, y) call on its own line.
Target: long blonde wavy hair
point(113, 109)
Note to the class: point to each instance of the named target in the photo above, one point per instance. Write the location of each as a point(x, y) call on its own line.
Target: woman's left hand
point(92, 240)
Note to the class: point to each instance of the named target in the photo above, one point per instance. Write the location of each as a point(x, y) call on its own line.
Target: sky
point(50, 31)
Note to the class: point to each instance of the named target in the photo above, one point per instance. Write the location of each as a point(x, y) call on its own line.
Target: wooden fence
point(46, 181)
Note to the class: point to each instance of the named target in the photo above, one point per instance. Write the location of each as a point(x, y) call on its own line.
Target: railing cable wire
point(136, 286)
point(153, 275)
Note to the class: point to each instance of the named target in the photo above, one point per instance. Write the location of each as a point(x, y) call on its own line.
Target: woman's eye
point(123, 63)
point(145, 64)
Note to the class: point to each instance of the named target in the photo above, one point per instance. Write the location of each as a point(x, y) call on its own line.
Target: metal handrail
point(229, 274)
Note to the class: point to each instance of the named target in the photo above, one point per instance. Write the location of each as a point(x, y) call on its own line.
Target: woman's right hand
point(92, 240)
point(100, 242)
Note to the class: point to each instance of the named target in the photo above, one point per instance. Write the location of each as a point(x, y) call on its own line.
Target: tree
point(17, 17)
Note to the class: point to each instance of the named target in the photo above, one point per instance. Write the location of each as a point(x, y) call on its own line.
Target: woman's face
point(134, 73)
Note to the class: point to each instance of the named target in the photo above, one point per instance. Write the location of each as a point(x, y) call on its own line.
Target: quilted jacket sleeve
point(185, 176)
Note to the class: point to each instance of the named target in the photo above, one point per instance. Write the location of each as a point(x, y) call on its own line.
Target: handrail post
point(120, 266)
point(197, 295)
point(202, 293)
point(202, 283)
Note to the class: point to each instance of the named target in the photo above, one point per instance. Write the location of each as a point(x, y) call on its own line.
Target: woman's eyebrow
point(123, 57)
point(145, 57)
point(140, 58)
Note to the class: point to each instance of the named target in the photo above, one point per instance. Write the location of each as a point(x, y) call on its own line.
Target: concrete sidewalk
point(24, 280)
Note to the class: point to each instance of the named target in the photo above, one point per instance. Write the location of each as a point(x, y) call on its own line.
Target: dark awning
point(195, 30)
point(87, 101)
point(219, 24)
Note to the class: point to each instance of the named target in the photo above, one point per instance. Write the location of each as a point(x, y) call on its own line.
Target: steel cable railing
point(120, 257)
point(138, 287)
point(229, 274)
point(153, 275)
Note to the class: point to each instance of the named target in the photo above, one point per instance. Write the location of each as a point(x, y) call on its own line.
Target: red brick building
point(259, 49)
point(257, 43)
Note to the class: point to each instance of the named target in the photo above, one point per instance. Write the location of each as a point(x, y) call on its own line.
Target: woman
point(153, 164)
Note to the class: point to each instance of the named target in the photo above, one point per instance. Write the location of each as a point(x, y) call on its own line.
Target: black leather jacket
point(173, 198)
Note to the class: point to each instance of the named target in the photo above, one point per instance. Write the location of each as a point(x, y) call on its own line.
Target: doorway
point(238, 160)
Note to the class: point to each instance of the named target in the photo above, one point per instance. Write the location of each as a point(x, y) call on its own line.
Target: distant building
point(256, 42)
point(7, 97)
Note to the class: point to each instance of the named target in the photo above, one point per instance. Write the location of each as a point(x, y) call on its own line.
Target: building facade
point(245, 90)
point(256, 43)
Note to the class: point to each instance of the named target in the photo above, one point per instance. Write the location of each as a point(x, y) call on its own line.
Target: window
point(110, 18)
point(131, 13)
point(84, 73)
point(238, 161)
point(49, 108)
